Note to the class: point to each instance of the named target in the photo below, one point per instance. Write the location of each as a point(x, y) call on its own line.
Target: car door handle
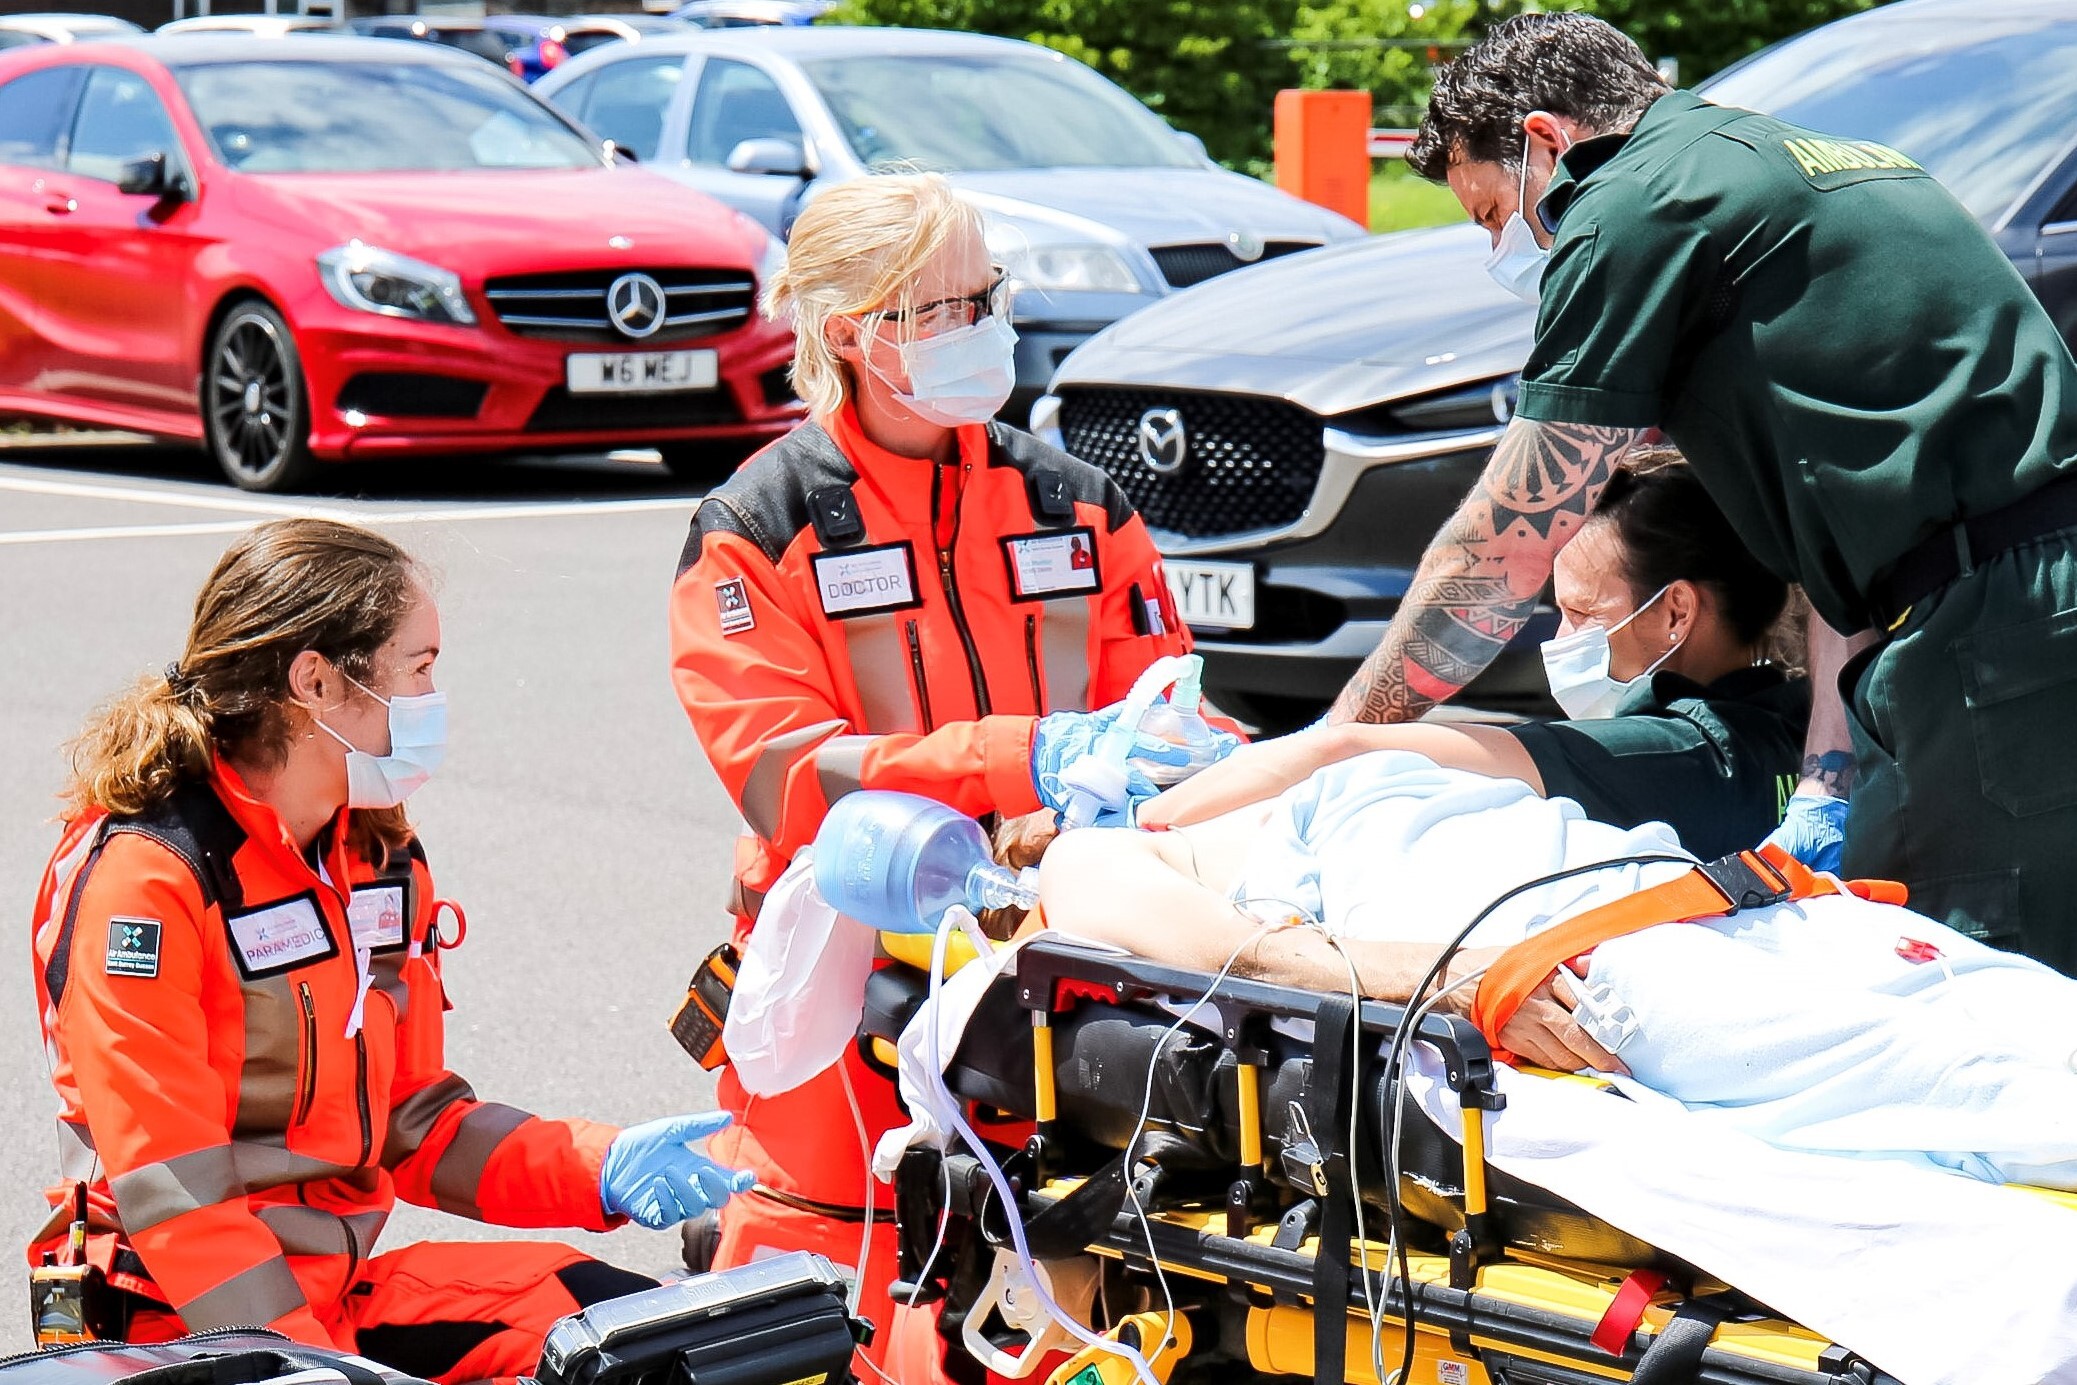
point(60, 205)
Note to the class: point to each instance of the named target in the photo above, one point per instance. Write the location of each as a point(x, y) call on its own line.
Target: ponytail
point(140, 747)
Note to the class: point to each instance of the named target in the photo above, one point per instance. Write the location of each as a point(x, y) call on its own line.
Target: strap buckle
point(1749, 881)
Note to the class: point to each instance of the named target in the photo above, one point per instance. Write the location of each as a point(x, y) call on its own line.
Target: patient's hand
point(1543, 1031)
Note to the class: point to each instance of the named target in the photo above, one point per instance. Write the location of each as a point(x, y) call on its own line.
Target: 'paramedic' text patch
point(279, 936)
point(861, 581)
point(1061, 564)
point(133, 947)
point(733, 596)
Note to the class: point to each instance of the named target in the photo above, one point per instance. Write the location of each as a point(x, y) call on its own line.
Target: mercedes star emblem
point(1162, 442)
point(635, 303)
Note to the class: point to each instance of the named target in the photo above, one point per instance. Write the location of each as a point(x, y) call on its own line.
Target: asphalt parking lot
point(575, 819)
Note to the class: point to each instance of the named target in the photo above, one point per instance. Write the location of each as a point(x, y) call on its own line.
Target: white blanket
point(1936, 1279)
point(1753, 1041)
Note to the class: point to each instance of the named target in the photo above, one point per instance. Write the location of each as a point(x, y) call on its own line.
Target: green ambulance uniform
point(1853, 368)
point(1717, 762)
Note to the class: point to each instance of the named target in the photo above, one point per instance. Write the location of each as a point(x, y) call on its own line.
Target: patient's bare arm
point(1140, 891)
point(1259, 772)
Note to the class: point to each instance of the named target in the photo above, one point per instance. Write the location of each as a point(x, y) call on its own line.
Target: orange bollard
point(1323, 149)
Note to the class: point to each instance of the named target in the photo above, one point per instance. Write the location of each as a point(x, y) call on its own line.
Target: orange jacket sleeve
point(1127, 639)
point(765, 705)
point(478, 1159)
point(159, 1114)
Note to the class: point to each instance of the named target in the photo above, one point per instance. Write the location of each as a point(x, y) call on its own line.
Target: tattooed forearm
point(1830, 773)
point(1478, 582)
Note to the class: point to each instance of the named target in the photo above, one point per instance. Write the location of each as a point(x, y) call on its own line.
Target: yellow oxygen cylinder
point(1162, 1340)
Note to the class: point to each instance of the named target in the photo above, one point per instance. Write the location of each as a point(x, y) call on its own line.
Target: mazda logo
point(1246, 246)
point(635, 303)
point(1162, 442)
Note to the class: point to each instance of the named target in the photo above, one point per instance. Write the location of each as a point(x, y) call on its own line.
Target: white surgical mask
point(1517, 261)
point(417, 744)
point(960, 376)
point(1577, 666)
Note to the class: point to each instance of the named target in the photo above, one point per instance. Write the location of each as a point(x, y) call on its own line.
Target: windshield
point(968, 114)
point(1984, 108)
point(364, 117)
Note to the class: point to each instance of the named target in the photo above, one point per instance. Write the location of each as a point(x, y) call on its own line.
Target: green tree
point(1388, 48)
point(1705, 36)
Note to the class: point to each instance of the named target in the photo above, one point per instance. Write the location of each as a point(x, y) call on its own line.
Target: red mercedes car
point(322, 248)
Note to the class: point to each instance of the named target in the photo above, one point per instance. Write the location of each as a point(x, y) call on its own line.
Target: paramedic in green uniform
point(1867, 387)
point(1675, 712)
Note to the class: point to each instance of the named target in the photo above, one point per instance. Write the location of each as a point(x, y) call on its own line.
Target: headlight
point(1067, 268)
point(1459, 410)
point(382, 281)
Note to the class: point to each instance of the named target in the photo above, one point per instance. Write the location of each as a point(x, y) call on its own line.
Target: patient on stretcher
point(1832, 1025)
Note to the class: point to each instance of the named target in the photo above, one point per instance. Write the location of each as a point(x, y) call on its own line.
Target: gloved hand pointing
point(1813, 831)
point(1064, 737)
point(651, 1176)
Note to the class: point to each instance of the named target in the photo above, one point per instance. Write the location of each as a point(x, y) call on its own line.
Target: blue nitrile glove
point(1064, 737)
point(1813, 831)
point(651, 1177)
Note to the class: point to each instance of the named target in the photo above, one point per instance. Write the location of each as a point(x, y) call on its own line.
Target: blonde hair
point(282, 588)
point(858, 249)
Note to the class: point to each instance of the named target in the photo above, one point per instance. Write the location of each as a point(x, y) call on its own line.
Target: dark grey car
point(1295, 433)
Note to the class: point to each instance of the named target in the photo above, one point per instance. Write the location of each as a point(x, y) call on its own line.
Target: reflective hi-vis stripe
point(840, 765)
point(77, 1161)
point(271, 1076)
point(1064, 643)
point(460, 1170)
point(311, 1231)
point(412, 1119)
point(879, 661)
point(764, 791)
point(156, 1193)
point(250, 1298)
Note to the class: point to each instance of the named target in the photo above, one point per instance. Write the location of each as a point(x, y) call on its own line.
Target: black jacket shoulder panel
point(194, 825)
point(766, 501)
point(1090, 485)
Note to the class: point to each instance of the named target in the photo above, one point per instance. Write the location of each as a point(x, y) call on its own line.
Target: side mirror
point(780, 157)
point(618, 153)
point(154, 175)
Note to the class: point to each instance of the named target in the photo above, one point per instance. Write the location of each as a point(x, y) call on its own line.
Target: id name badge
point(377, 917)
point(1062, 563)
point(280, 936)
point(866, 581)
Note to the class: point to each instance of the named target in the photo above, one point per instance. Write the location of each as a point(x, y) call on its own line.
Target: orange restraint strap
point(1748, 880)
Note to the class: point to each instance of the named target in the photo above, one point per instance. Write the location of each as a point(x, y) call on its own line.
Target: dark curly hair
point(1568, 64)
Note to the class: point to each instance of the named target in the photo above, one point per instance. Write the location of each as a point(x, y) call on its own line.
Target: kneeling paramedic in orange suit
point(891, 597)
point(237, 964)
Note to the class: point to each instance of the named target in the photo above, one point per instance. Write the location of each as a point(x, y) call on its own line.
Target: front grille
point(1249, 463)
point(1288, 615)
point(776, 385)
point(1184, 265)
point(402, 394)
point(572, 306)
point(563, 412)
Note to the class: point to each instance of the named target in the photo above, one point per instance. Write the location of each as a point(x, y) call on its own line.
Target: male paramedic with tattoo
point(1868, 389)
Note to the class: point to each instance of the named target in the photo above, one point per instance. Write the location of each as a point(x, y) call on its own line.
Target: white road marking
point(121, 531)
point(540, 510)
point(194, 500)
